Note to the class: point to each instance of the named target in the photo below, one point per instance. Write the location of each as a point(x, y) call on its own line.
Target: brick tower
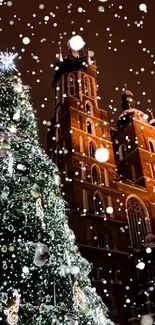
point(79, 127)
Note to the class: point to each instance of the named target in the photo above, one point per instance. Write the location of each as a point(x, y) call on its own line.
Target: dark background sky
point(113, 34)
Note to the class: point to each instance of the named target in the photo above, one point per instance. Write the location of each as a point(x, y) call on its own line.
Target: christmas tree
point(43, 278)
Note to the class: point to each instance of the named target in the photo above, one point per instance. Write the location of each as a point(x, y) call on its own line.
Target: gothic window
point(100, 237)
point(98, 204)
point(89, 108)
point(133, 173)
point(122, 151)
point(95, 175)
point(137, 219)
point(85, 200)
point(90, 127)
point(152, 145)
point(106, 177)
point(92, 149)
point(58, 113)
point(81, 140)
point(71, 84)
point(83, 170)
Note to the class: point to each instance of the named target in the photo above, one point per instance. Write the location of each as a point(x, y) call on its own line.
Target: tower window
point(92, 149)
point(122, 151)
point(98, 204)
point(89, 127)
point(100, 237)
point(152, 170)
point(137, 217)
point(71, 84)
point(152, 145)
point(95, 175)
point(83, 170)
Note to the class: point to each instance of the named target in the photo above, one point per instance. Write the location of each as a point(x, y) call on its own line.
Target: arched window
point(133, 173)
point(99, 204)
point(100, 237)
point(106, 177)
point(95, 175)
point(152, 145)
point(90, 127)
point(58, 114)
point(81, 140)
point(89, 108)
point(92, 149)
point(85, 200)
point(138, 222)
point(71, 84)
point(122, 151)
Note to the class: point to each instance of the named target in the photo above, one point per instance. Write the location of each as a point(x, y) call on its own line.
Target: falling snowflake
point(7, 61)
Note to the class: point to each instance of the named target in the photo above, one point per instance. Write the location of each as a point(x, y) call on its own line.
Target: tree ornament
point(79, 297)
point(5, 193)
point(4, 298)
point(39, 209)
point(4, 249)
point(42, 308)
point(35, 192)
point(41, 253)
point(12, 311)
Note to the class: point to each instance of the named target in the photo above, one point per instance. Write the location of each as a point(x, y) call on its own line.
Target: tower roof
point(72, 63)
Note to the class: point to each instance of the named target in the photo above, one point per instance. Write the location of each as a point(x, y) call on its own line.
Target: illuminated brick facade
point(114, 242)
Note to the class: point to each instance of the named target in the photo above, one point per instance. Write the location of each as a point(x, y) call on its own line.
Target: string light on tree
point(102, 154)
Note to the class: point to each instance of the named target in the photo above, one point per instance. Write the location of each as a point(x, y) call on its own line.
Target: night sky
point(118, 32)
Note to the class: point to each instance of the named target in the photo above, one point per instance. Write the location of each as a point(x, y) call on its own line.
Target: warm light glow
point(102, 154)
point(76, 43)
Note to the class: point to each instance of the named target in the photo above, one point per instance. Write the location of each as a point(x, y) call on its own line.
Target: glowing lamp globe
point(76, 43)
point(102, 154)
point(109, 210)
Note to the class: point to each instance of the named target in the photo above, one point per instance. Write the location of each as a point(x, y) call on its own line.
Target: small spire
point(60, 54)
point(125, 86)
point(152, 116)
